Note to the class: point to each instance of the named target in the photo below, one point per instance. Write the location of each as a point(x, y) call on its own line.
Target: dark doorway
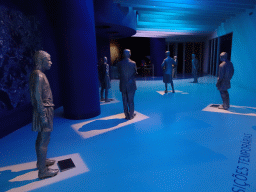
point(217, 46)
point(180, 58)
point(210, 57)
point(139, 46)
point(140, 53)
point(171, 49)
point(226, 44)
point(188, 57)
point(213, 57)
point(198, 51)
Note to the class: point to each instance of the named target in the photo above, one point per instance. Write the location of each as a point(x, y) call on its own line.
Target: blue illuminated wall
point(243, 47)
point(21, 114)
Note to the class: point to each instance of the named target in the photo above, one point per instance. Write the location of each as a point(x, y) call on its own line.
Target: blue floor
point(173, 144)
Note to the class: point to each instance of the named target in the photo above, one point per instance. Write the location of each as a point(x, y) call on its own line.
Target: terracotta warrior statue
point(43, 109)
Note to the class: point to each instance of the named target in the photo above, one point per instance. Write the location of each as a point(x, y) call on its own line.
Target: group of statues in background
point(127, 70)
point(43, 107)
point(226, 72)
point(169, 67)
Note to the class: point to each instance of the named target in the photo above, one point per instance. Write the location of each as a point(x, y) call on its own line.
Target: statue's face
point(223, 56)
point(47, 63)
point(127, 53)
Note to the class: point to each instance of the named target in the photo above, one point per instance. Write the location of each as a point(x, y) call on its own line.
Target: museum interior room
point(140, 135)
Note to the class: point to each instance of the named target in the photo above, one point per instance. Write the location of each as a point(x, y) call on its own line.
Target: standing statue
point(127, 70)
point(167, 67)
point(43, 111)
point(195, 66)
point(104, 80)
point(174, 67)
point(226, 72)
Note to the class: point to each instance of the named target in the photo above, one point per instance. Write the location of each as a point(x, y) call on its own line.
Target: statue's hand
point(44, 122)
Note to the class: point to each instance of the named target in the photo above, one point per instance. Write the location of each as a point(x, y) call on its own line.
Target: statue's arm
point(175, 63)
point(40, 108)
point(233, 70)
point(163, 64)
point(221, 75)
point(135, 67)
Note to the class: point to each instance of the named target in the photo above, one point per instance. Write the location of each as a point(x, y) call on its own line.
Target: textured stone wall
point(19, 38)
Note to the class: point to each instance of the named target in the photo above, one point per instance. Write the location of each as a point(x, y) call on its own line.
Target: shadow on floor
point(7, 175)
point(243, 110)
point(101, 124)
point(237, 109)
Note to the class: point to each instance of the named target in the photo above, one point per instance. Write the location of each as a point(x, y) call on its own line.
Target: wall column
point(157, 54)
point(74, 28)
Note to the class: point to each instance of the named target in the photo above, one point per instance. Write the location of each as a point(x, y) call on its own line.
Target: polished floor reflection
point(178, 142)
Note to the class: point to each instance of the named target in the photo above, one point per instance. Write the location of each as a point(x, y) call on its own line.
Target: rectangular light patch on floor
point(99, 126)
point(238, 110)
point(176, 91)
point(111, 102)
point(24, 177)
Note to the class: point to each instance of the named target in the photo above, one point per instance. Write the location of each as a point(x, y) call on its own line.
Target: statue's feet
point(133, 116)
point(48, 162)
point(102, 99)
point(107, 100)
point(48, 173)
point(127, 116)
point(166, 91)
point(173, 91)
point(222, 107)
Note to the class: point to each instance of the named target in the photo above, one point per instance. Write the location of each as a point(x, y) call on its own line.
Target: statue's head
point(42, 60)
point(127, 53)
point(167, 53)
point(175, 57)
point(193, 56)
point(105, 59)
point(223, 56)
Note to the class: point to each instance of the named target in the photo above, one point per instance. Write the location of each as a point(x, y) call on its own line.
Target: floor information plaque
point(66, 164)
